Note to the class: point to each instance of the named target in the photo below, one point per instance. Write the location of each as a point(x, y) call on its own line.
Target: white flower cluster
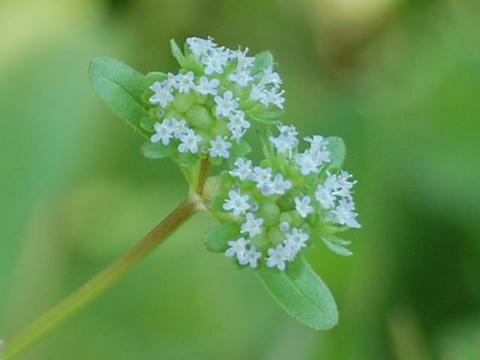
point(328, 200)
point(295, 241)
point(226, 84)
point(312, 159)
point(262, 177)
point(177, 129)
point(335, 195)
point(264, 86)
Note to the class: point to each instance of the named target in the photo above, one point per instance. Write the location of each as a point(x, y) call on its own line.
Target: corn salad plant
point(269, 210)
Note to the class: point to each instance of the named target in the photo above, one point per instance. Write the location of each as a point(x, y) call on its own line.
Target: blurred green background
point(398, 80)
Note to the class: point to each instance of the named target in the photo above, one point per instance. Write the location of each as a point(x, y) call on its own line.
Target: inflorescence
point(274, 209)
point(207, 106)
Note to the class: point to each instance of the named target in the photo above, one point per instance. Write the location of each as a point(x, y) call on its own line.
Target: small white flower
point(179, 127)
point(302, 205)
point(171, 80)
point(200, 46)
point(215, 61)
point(189, 142)
point(286, 141)
point(250, 257)
point(219, 147)
point(279, 185)
point(243, 169)
point(274, 97)
point(252, 226)
point(185, 82)
point(297, 239)
point(163, 94)
point(290, 251)
point(318, 149)
point(276, 257)
point(226, 104)
point(307, 163)
point(242, 78)
point(343, 186)
point(317, 142)
point(325, 197)
point(237, 203)
point(243, 61)
point(237, 124)
point(262, 176)
point(344, 213)
point(257, 93)
point(163, 132)
point(236, 247)
point(270, 77)
point(207, 87)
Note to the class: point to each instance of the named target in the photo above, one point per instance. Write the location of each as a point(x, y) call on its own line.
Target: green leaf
point(187, 159)
point(302, 295)
point(217, 238)
point(217, 203)
point(337, 245)
point(264, 116)
point(262, 61)
point(336, 146)
point(154, 76)
point(240, 148)
point(121, 89)
point(156, 150)
point(177, 53)
point(147, 124)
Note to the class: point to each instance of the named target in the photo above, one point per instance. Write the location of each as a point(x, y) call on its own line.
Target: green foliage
point(177, 53)
point(265, 116)
point(217, 238)
point(337, 149)
point(302, 294)
point(187, 159)
point(121, 88)
point(154, 76)
point(240, 148)
point(156, 150)
point(263, 61)
point(337, 245)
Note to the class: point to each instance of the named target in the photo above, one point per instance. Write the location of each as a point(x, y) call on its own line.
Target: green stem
point(101, 282)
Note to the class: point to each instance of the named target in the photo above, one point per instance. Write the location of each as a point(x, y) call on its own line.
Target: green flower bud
point(261, 241)
point(275, 236)
point(182, 102)
point(219, 128)
point(270, 212)
point(173, 114)
point(198, 116)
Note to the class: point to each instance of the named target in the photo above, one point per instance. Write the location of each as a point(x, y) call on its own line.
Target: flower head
point(236, 203)
point(276, 257)
point(303, 207)
point(206, 86)
point(237, 248)
point(219, 147)
point(226, 104)
point(243, 169)
point(163, 94)
point(252, 226)
point(163, 132)
point(189, 142)
point(276, 207)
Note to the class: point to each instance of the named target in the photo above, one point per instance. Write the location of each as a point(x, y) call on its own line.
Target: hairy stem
point(101, 282)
